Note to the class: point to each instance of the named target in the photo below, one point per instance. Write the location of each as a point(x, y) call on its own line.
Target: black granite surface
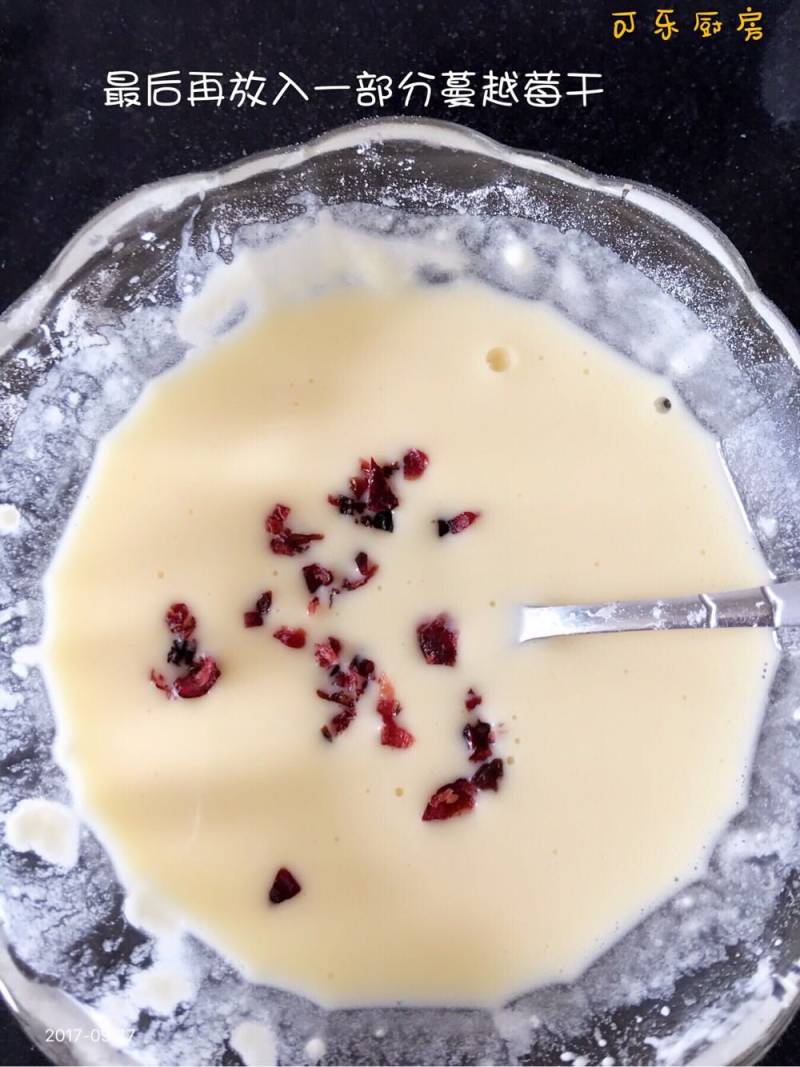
point(715, 121)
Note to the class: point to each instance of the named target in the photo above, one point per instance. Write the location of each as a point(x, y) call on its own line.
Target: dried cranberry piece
point(276, 520)
point(383, 520)
point(316, 576)
point(182, 652)
point(438, 640)
point(180, 621)
point(264, 603)
point(415, 461)
point(347, 700)
point(290, 636)
point(366, 570)
point(458, 523)
point(455, 798)
point(472, 700)
point(346, 504)
point(198, 681)
point(160, 682)
point(327, 652)
point(355, 678)
point(258, 614)
point(339, 723)
point(479, 737)
point(380, 495)
point(284, 541)
point(392, 734)
point(284, 887)
point(292, 544)
point(488, 776)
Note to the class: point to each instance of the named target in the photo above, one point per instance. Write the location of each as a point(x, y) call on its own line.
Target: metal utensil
point(772, 605)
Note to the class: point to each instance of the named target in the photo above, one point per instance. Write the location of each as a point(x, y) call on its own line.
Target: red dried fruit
point(383, 520)
point(327, 652)
point(472, 700)
point(392, 734)
point(276, 520)
point(313, 605)
point(264, 603)
point(366, 570)
point(455, 798)
point(347, 505)
point(284, 541)
point(290, 636)
point(347, 700)
point(180, 621)
point(458, 523)
point(198, 681)
point(479, 737)
point(380, 496)
point(488, 776)
point(258, 614)
point(316, 576)
point(160, 682)
point(438, 640)
point(284, 887)
point(182, 652)
point(339, 723)
point(415, 462)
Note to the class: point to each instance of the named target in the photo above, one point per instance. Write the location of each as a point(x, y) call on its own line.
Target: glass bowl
point(710, 975)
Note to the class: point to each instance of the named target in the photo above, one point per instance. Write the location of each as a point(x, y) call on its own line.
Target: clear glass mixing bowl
point(710, 975)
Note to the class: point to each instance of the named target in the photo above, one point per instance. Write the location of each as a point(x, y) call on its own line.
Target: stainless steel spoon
point(772, 605)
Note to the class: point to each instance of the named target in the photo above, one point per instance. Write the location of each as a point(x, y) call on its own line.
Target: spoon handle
point(772, 605)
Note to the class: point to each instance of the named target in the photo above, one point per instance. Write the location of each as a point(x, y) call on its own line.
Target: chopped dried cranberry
point(327, 652)
point(488, 776)
point(392, 734)
point(339, 723)
point(395, 736)
point(455, 798)
point(198, 681)
point(472, 700)
point(160, 682)
point(383, 520)
point(292, 544)
point(313, 605)
point(356, 677)
point(316, 576)
point(182, 652)
point(364, 667)
point(264, 603)
point(257, 615)
point(479, 737)
point(180, 621)
point(366, 570)
point(290, 636)
point(380, 495)
point(414, 463)
point(347, 700)
point(438, 641)
point(346, 504)
point(276, 520)
point(457, 523)
point(284, 887)
point(284, 541)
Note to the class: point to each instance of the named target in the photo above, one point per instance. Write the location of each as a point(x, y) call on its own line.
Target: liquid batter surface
point(624, 756)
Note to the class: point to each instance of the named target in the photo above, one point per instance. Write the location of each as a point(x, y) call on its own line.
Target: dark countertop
point(714, 121)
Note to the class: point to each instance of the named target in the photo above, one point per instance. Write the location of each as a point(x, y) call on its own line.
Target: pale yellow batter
point(625, 754)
